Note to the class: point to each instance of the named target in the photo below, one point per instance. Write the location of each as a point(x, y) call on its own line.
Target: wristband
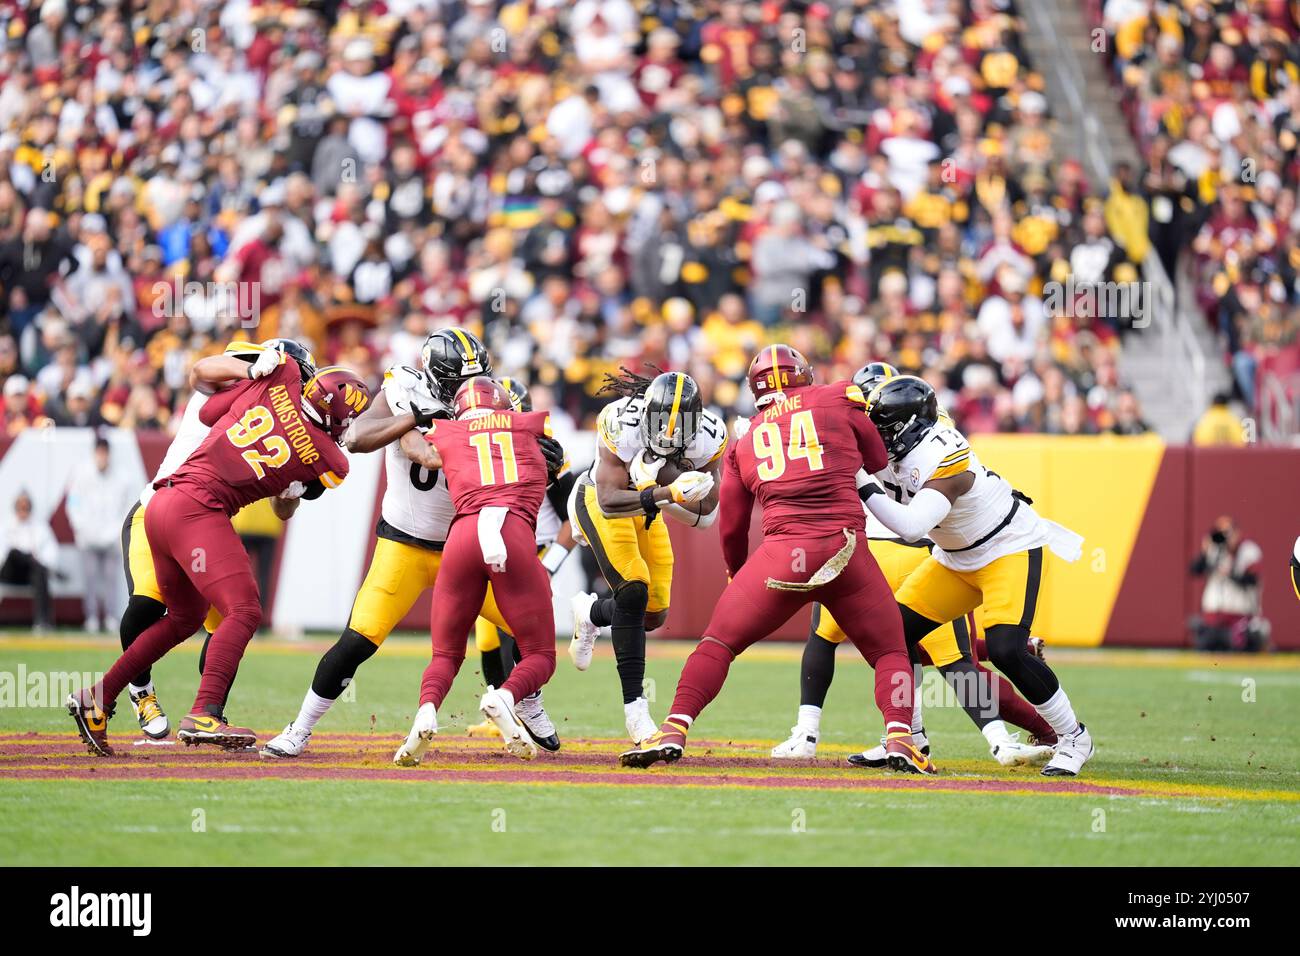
point(869, 489)
point(554, 556)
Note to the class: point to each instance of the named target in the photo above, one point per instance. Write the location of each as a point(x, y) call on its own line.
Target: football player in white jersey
point(657, 434)
point(415, 515)
point(497, 650)
point(145, 605)
point(950, 648)
point(988, 549)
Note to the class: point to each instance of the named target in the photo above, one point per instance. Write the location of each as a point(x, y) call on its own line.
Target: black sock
point(141, 613)
point(494, 669)
point(602, 612)
point(340, 663)
point(627, 634)
point(816, 671)
point(973, 690)
point(1008, 647)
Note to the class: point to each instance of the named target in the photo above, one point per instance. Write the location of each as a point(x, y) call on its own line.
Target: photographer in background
point(1230, 604)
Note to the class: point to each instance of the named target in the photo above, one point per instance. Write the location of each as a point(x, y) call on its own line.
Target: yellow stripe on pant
point(626, 550)
point(897, 561)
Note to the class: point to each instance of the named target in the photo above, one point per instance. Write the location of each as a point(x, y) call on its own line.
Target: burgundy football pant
point(199, 561)
point(748, 611)
point(522, 592)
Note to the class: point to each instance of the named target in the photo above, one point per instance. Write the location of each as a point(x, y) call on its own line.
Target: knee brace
point(339, 665)
point(630, 602)
point(141, 613)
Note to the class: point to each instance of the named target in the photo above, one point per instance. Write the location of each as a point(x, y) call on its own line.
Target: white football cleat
point(640, 725)
point(497, 707)
point(584, 632)
point(532, 714)
point(876, 757)
point(1012, 753)
point(1072, 752)
point(417, 741)
point(290, 743)
point(149, 713)
point(802, 743)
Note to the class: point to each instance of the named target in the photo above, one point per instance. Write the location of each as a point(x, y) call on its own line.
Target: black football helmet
point(872, 374)
point(295, 350)
point(451, 357)
point(519, 396)
point(903, 410)
point(673, 408)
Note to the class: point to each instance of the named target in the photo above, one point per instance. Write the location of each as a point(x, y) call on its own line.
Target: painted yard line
point(417, 647)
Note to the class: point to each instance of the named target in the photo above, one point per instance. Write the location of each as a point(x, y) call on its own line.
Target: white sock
point(1056, 710)
point(681, 719)
point(897, 727)
point(137, 691)
point(995, 732)
point(810, 718)
point(314, 707)
point(918, 722)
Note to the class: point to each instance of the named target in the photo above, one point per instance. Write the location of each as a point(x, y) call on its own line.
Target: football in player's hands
point(691, 487)
point(645, 472)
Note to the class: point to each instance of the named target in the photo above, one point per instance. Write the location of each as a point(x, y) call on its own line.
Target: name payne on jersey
point(295, 429)
point(74, 909)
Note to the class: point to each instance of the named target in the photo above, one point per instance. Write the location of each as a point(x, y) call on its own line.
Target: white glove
point(741, 427)
point(645, 474)
point(267, 362)
point(296, 489)
point(554, 556)
point(690, 487)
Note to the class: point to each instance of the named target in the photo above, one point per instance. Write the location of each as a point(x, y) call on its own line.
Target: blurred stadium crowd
point(605, 182)
point(1212, 93)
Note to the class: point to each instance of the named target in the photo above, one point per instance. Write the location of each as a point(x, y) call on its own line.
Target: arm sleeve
point(315, 488)
point(218, 404)
point(912, 521)
point(736, 507)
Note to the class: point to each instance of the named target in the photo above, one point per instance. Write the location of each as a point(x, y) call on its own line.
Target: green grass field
point(1196, 764)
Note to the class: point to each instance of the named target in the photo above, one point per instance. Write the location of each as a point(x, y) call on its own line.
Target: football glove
point(691, 487)
point(423, 416)
point(266, 363)
point(296, 489)
point(553, 452)
point(645, 474)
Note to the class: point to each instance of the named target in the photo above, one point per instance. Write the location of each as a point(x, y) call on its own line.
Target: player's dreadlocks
point(629, 384)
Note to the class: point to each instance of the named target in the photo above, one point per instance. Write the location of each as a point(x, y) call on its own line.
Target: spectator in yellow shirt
point(1219, 425)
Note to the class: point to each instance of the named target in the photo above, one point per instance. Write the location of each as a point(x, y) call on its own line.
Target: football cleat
point(532, 714)
point(640, 725)
point(666, 744)
point(92, 723)
point(802, 743)
point(153, 722)
point(495, 705)
point(423, 730)
point(198, 729)
point(482, 729)
point(1012, 753)
point(290, 743)
point(875, 758)
point(584, 632)
point(902, 754)
point(1072, 752)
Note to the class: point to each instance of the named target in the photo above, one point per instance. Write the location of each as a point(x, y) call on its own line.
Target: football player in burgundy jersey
point(799, 460)
point(266, 433)
point(497, 476)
